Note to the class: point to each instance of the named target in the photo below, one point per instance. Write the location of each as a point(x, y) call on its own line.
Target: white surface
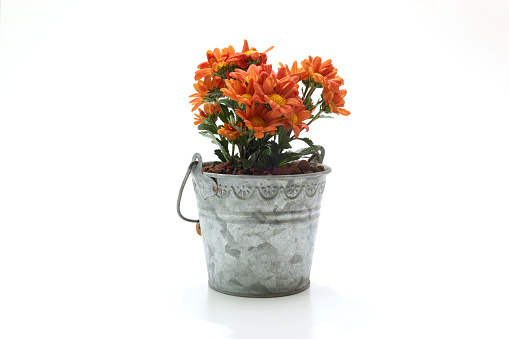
point(94, 110)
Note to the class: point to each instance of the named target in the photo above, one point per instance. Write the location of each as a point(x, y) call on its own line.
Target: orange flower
point(239, 91)
point(321, 72)
point(230, 132)
point(296, 120)
point(208, 110)
point(204, 89)
point(198, 120)
point(216, 60)
point(294, 70)
point(253, 73)
point(260, 120)
point(282, 95)
point(334, 99)
point(249, 56)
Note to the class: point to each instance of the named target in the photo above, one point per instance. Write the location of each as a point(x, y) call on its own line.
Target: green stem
point(305, 92)
point(310, 92)
point(263, 143)
point(314, 118)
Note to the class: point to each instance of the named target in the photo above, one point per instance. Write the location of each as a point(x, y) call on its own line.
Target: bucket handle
point(318, 159)
point(189, 169)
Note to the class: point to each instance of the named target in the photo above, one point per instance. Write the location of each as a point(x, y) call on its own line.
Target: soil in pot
point(297, 167)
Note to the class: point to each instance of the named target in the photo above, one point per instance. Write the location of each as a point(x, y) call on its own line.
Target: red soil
point(298, 167)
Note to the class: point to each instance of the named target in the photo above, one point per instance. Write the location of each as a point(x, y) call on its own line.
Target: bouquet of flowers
point(253, 112)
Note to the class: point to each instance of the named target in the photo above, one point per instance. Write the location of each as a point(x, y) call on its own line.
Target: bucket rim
point(268, 177)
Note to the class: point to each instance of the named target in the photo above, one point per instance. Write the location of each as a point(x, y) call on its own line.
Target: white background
point(96, 134)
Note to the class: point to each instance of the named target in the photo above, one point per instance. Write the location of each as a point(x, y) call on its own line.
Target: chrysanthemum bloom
point(334, 99)
point(208, 110)
point(259, 119)
point(282, 95)
point(321, 72)
point(241, 86)
point(251, 74)
point(249, 56)
point(295, 70)
point(231, 132)
point(207, 90)
point(216, 61)
point(296, 120)
point(200, 117)
point(240, 91)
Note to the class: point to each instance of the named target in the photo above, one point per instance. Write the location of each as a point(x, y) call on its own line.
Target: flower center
point(277, 99)
point(247, 96)
point(258, 122)
point(294, 119)
point(220, 65)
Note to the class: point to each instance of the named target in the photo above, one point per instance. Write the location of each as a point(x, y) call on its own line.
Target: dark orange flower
point(249, 56)
point(321, 72)
point(205, 88)
point(296, 120)
point(240, 87)
point(239, 91)
point(260, 120)
point(282, 95)
point(295, 70)
point(208, 110)
point(198, 120)
point(334, 99)
point(253, 73)
point(216, 61)
point(230, 132)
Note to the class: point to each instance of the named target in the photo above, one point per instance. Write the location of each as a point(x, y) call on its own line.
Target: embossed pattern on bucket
point(258, 231)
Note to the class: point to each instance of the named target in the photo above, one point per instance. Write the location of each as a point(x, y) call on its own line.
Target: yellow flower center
point(277, 99)
point(220, 65)
point(294, 119)
point(247, 96)
point(249, 52)
point(258, 122)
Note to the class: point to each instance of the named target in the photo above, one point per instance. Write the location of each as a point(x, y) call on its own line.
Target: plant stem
point(311, 92)
point(315, 117)
point(264, 142)
point(305, 92)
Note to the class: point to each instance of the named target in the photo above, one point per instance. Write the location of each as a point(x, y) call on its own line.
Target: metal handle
point(189, 169)
point(318, 159)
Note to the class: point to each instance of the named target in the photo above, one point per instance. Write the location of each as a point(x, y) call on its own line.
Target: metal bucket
point(258, 231)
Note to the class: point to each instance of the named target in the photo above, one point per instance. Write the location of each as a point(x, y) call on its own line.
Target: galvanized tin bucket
point(258, 231)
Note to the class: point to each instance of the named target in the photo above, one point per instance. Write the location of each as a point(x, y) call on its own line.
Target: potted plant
point(259, 204)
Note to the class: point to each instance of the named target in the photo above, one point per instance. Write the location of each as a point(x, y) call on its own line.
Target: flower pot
point(258, 231)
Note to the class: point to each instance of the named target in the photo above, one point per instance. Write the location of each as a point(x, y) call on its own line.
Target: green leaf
point(220, 155)
point(247, 163)
point(312, 149)
point(212, 96)
point(307, 151)
point(259, 165)
point(242, 140)
point(207, 127)
point(307, 141)
point(217, 142)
